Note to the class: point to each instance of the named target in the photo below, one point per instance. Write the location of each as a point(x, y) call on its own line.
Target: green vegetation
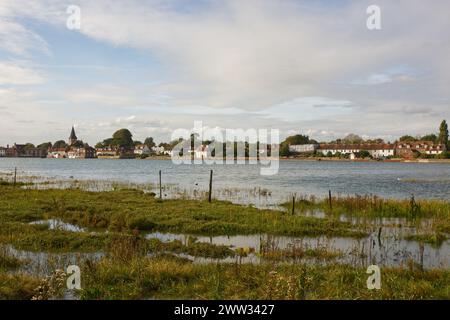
point(8, 262)
point(121, 138)
point(172, 278)
point(376, 207)
point(132, 209)
point(443, 133)
point(192, 248)
point(373, 207)
point(17, 287)
point(134, 267)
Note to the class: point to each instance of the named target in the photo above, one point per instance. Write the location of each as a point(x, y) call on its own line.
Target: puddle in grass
point(55, 224)
point(390, 251)
point(42, 264)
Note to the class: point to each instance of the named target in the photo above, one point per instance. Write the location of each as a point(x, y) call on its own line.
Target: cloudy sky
point(308, 67)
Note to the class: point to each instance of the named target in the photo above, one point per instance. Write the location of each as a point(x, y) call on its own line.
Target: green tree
point(352, 139)
point(149, 142)
point(29, 146)
point(430, 137)
point(45, 145)
point(407, 138)
point(165, 145)
point(123, 138)
point(443, 133)
point(60, 144)
point(284, 150)
point(137, 143)
point(297, 139)
point(364, 154)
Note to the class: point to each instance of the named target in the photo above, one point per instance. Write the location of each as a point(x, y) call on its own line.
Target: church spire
point(73, 137)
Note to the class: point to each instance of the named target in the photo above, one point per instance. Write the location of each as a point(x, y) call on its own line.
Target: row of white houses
point(377, 151)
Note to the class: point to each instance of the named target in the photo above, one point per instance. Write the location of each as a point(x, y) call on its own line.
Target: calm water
point(395, 180)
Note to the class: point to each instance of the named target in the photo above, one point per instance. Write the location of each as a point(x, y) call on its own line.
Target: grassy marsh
point(134, 267)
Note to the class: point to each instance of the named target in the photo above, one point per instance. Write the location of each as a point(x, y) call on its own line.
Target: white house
point(141, 149)
point(57, 153)
point(303, 148)
point(325, 149)
point(381, 151)
point(161, 151)
point(2, 152)
point(377, 151)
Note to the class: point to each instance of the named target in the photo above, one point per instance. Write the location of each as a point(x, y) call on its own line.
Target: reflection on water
point(42, 264)
point(391, 250)
point(55, 224)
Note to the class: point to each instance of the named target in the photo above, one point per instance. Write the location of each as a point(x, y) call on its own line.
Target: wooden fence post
point(293, 205)
point(330, 200)
point(210, 186)
point(160, 185)
point(15, 176)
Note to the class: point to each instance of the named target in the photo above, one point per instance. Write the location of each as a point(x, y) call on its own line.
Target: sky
point(307, 66)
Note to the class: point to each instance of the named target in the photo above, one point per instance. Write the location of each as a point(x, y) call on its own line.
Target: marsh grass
point(298, 251)
point(192, 248)
point(17, 287)
point(429, 217)
point(375, 207)
point(7, 261)
point(167, 278)
point(133, 209)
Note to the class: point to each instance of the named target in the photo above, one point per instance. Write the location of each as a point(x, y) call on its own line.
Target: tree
point(284, 150)
point(407, 138)
point(60, 144)
point(353, 139)
point(443, 133)
point(149, 142)
point(137, 143)
point(297, 139)
point(165, 145)
point(123, 138)
point(430, 137)
point(45, 146)
point(364, 154)
point(29, 146)
point(78, 144)
point(375, 141)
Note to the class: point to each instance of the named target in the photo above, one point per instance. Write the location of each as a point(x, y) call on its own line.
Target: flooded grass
point(134, 209)
point(133, 245)
point(170, 278)
point(17, 287)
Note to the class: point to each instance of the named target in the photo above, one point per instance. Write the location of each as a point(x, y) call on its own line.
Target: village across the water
point(352, 147)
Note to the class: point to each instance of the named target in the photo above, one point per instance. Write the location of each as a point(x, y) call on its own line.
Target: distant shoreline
point(324, 159)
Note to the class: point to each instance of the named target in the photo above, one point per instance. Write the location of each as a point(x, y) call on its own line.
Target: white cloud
point(290, 64)
point(16, 74)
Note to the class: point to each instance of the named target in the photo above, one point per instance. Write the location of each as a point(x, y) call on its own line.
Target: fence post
point(293, 205)
point(160, 185)
point(210, 186)
point(330, 200)
point(15, 176)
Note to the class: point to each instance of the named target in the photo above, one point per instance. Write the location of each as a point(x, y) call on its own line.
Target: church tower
point(73, 137)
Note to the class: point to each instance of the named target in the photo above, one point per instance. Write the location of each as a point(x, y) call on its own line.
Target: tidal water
point(391, 180)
